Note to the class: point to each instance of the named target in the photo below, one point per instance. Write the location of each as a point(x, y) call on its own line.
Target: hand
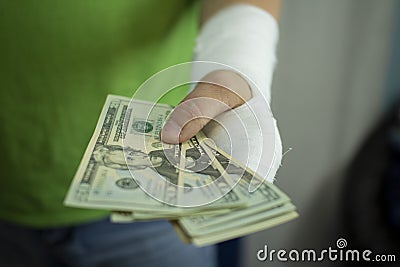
point(244, 126)
point(209, 99)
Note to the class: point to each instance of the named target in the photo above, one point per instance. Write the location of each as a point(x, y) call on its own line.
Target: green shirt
point(59, 59)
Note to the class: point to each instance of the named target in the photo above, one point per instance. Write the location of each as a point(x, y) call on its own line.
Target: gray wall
point(328, 91)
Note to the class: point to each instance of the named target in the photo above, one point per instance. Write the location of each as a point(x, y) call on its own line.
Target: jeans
point(100, 243)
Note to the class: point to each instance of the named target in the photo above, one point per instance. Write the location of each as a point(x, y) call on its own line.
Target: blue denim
point(100, 243)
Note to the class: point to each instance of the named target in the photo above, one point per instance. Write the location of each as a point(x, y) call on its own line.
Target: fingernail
point(170, 132)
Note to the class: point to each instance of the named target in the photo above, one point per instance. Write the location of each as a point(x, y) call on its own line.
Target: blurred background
point(336, 84)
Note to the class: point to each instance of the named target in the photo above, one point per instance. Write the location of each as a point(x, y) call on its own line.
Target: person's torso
point(59, 60)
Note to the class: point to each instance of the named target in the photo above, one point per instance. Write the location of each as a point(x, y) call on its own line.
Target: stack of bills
point(198, 187)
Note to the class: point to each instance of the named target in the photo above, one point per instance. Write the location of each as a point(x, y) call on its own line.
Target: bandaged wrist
point(243, 38)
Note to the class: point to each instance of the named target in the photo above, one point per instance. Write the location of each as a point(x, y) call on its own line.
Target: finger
point(219, 91)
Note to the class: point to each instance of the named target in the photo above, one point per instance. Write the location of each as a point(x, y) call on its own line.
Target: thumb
point(218, 91)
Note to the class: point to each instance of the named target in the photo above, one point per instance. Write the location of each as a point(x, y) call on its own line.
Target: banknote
point(197, 186)
point(267, 196)
point(127, 167)
point(235, 232)
point(267, 207)
point(239, 222)
point(134, 216)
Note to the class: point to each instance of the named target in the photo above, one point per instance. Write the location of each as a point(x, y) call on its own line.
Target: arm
point(183, 123)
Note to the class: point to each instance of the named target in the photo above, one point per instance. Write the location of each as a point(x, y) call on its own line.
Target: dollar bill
point(267, 195)
point(200, 188)
point(240, 221)
point(267, 206)
point(126, 144)
point(134, 216)
point(235, 232)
